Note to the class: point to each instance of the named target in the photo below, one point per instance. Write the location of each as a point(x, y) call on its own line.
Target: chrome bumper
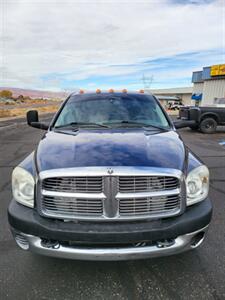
point(180, 244)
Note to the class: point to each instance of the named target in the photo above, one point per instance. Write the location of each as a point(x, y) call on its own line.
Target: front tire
point(208, 125)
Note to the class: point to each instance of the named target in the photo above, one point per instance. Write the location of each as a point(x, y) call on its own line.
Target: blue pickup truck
point(111, 179)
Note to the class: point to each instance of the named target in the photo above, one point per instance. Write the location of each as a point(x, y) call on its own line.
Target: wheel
point(208, 125)
point(194, 127)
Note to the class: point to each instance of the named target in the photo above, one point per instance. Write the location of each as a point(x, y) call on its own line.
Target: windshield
point(112, 110)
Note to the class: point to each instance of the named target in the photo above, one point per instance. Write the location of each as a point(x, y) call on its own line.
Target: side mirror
point(33, 120)
point(32, 116)
point(183, 124)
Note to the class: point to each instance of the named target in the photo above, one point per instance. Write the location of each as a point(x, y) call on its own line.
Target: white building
point(182, 94)
point(209, 84)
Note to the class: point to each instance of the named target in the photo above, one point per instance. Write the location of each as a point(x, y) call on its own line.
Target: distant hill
point(35, 93)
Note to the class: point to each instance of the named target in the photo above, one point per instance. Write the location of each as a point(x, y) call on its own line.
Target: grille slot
point(133, 184)
point(72, 207)
point(73, 184)
point(149, 205)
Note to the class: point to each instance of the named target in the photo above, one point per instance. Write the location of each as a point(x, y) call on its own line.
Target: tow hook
point(165, 243)
point(50, 244)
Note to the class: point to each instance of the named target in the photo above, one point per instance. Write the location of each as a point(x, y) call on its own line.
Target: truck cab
point(111, 179)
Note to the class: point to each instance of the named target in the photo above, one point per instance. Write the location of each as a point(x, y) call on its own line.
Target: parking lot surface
point(198, 274)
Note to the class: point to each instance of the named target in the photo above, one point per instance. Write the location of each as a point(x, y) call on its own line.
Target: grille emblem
point(110, 171)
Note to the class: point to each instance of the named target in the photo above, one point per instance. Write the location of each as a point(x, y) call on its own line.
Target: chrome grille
point(148, 205)
point(73, 184)
point(126, 193)
point(70, 207)
point(132, 184)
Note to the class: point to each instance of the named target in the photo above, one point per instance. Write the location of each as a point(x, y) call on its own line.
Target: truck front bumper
point(111, 240)
point(55, 249)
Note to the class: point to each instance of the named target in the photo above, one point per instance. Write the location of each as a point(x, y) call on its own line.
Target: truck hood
point(118, 147)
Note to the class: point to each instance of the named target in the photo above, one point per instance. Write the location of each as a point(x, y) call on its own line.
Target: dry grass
point(21, 112)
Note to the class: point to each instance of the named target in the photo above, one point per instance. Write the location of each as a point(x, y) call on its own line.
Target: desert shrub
point(6, 94)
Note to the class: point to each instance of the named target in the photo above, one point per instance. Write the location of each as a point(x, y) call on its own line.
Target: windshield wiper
point(77, 124)
point(140, 124)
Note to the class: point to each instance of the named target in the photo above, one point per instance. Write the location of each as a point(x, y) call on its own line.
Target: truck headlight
point(197, 183)
point(23, 186)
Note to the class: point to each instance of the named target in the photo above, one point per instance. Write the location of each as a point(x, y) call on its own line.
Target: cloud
point(72, 43)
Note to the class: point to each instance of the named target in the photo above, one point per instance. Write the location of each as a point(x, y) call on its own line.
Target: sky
point(67, 45)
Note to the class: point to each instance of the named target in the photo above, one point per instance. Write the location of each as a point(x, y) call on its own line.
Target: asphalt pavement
point(198, 274)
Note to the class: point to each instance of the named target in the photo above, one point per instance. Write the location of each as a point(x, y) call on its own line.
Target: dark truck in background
point(206, 118)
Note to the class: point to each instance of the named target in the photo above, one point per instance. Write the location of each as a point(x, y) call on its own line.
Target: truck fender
point(209, 115)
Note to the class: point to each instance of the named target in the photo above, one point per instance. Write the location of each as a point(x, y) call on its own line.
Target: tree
point(6, 94)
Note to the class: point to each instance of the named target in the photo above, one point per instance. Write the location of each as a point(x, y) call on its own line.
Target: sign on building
point(217, 70)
